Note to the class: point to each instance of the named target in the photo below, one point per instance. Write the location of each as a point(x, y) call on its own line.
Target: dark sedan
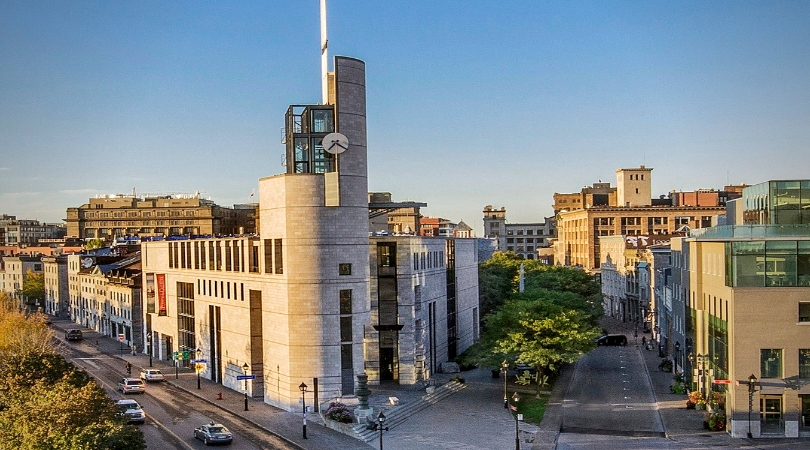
point(213, 433)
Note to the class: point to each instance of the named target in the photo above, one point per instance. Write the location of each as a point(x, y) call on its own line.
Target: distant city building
point(523, 239)
point(14, 271)
point(579, 230)
point(388, 216)
point(119, 215)
point(22, 233)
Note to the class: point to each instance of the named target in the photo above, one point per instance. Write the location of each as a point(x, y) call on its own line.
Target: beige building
point(119, 215)
point(748, 311)
point(13, 272)
point(578, 230)
point(313, 298)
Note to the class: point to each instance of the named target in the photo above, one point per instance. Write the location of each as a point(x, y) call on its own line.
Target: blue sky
point(470, 104)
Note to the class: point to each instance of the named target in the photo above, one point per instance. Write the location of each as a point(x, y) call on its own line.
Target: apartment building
point(634, 214)
point(112, 216)
point(23, 233)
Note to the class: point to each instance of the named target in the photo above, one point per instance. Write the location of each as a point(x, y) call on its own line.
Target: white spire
point(324, 56)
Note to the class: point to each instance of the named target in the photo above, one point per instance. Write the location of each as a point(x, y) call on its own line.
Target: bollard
point(219, 396)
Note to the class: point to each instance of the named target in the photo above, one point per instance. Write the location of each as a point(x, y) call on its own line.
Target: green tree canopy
point(33, 287)
point(45, 401)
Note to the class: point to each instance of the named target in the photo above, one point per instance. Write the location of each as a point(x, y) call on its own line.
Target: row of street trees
point(552, 321)
point(45, 401)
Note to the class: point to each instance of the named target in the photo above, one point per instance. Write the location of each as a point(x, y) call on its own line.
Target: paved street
point(588, 403)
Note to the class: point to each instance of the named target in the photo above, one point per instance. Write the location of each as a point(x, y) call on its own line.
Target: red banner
point(161, 291)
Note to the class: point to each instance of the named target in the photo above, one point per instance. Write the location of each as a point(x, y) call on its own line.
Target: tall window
point(804, 363)
point(278, 256)
point(804, 311)
point(770, 363)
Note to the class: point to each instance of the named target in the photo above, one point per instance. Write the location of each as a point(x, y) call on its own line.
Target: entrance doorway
point(770, 409)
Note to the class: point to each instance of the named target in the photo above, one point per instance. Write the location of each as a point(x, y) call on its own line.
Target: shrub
point(339, 413)
point(715, 421)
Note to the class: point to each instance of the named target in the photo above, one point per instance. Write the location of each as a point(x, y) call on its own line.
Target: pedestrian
point(644, 341)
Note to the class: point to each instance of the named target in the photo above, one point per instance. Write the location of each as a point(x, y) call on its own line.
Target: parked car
point(132, 386)
point(612, 339)
point(213, 433)
point(152, 375)
point(132, 409)
point(73, 335)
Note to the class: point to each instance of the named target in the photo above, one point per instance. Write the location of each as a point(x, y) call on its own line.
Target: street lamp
point(379, 426)
point(197, 365)
point(245, 368)
point(504, 369)
point(699, 361)
point(752, 380)
point(149, 344)
point(303, 387)
point(515, 400)
point(677, 356)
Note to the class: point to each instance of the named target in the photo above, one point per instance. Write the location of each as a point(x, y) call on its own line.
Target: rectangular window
point(804, 363)
point(345, 268)
point(278, 256)
point(771, 363)
point(804, 311)
point(345, 328)
point(268, 256)
point(345, 301)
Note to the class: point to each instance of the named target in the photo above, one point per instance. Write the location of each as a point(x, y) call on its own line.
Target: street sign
point(199, 361)
point(120, 338)
point(246, 377)
point(722, 381)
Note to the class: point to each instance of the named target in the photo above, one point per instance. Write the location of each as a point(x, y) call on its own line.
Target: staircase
point(395, 415)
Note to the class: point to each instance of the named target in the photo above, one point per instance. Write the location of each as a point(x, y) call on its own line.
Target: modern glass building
point(777, 202)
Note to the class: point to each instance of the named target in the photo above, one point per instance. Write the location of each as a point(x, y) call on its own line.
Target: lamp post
point(197, 365)
point(752, 380)
point(379, 426)
point(149, 344)
point(699, 362)
point(245, 368)
point(515, 400)
point(303, 387)
point(504, 369)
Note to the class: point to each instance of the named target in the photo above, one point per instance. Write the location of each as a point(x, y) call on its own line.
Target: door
point(770, 409)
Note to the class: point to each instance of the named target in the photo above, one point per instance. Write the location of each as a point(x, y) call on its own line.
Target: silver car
point(131, 409)
point(132, 386)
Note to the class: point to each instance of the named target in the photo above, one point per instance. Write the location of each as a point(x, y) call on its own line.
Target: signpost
point(246, 377)
point(121, 342)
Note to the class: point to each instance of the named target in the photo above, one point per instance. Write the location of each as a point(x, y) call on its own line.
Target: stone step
point(395, 415)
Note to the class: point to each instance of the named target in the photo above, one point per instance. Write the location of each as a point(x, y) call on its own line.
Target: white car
point(131, 409)
point(152, 375)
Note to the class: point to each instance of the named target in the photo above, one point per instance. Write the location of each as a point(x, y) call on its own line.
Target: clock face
point(335, 143)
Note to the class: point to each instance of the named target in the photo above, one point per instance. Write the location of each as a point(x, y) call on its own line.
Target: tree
point(497, 280)
point(543, 337)
point(94, 244)
point(45, 401)
point(33, 288)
